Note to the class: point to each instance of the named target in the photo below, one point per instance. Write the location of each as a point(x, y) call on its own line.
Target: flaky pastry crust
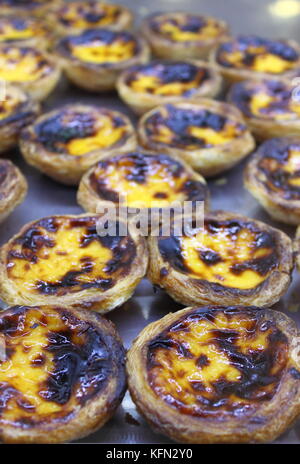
point(146, 86)
point(179, 35)
point(210, 136)
point(63, 260)
point(196, 375)
point(72, 374)
point(231, 260)
point(94, 59)
point(13, 188)
point(66, 142)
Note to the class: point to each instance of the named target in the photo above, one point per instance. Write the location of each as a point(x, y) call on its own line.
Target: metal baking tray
point(46, 197)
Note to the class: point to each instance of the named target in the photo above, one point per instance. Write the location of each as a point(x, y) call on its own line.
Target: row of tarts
point(227, 371)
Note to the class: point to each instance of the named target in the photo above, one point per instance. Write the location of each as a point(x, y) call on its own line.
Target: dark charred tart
point(64, 143)
point(37, 8)
point(231, 260)
point(75, 17)
point(62, 376)
point(17, 110)
point(146, 86)
point(209, 135)
point(181, 35)
point(272, 176)
point(252, 57)
point(29, 68)
point(24, 31)
point(140, 180)
point(270, 107)
point(13, 188)
point(94, 59)
point(69, 260)
point(217, 374)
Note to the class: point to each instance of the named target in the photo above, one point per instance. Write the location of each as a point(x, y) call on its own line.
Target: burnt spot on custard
point(139, 169)
point(68, 267)
point(180, 123)
point(57, 130)
point(217, 362)
point(94, 14)
point(171, 26)
point(67, 362)
point(20, 114)
point(12, 55)
point(276, 99)
point(248, 48)
point(169, 73)
point(22, 3)
point(258, 249)
point(278, 164)
point(103, 37)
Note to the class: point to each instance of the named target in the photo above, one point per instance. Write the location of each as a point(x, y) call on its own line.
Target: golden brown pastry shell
point(140, 103)
point(233, 75)
point(96, 412)
point(125, 21)
point(192, 291)
point(11, 127)
point(98, 77)
point(168, 49)
point(65, 168)
point(90, 201)
point(280, 412)
point(279, 208)
point(208, 161)
point(13, 189)
point(101, 302)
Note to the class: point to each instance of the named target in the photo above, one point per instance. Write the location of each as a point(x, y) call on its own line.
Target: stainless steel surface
point(46, 197)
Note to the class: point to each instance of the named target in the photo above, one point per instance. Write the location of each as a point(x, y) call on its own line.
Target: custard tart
point(38, 8)
point(62, 373)
point(231, 259)
point(13, 188)
point(66, 142)
point(272, 176)
point(17, 110)
point(180, 35)
point(73, 261)
point(209, 135)
point(29, 68)
point(252, 57)
point(140, 180)
point(24, 31)
point(270, 107)
point(146, 86)
point(74, 17)
point(94, 59)
point(216, 374)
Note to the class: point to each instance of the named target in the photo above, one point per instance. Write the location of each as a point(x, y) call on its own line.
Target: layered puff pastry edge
point(62, 373)
point(13, 188)
point(231, 260)
point(216, 374)
point(73, 261)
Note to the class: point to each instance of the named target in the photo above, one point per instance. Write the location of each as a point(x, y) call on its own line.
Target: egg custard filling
point(258, 54)
point(82, 130)
point(13, 29)
point(63, 255)
point(216, 362)
point(141, 180)
point(278, 168)
point(190, 128)
point(22, 64)
point(53, 363)
point(100, 46)
point(167, 78)
point(186, 27)
point(226, 253)
point(268, 99)
point(11, 108)
point(87, 15)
